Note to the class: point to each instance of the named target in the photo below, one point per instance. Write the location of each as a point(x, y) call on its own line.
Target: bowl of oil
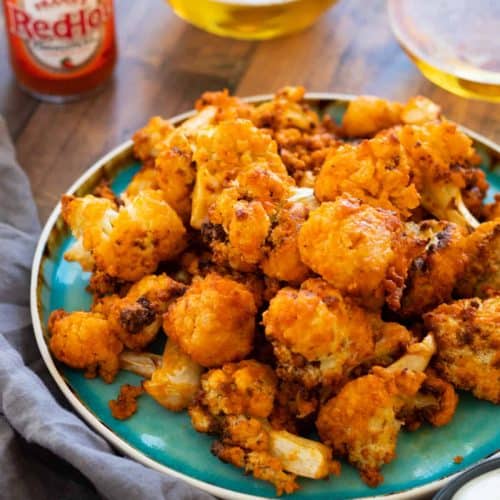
point(251, 19)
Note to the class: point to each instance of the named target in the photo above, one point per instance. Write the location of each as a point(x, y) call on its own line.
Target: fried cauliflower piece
point(126, 242)
point(491, 211)
point(224, 151)
point(145, 178)
point(234, 402)
point(84, 341)
point(137, 317)
point(147, 139)
point(228, 107)
point(303, 140)
point(125, 405)
point(361, 250)
point(214, 321)
point(468, 338)
point(318, 336)
point(361, 422)
point(482, 273)
point(367, 115)
point(282, 258)
point(376, 171)
point(443, 166)
point(435, 271)
point(176, 382)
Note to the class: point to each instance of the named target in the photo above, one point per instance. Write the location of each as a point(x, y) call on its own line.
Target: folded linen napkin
point(46, 451)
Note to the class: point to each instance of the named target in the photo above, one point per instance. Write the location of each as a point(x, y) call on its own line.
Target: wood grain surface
point(164, 64)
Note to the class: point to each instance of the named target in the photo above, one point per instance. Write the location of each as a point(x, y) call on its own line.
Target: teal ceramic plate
point(166, 441)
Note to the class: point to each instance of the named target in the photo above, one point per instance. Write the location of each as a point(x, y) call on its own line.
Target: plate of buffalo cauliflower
point(295, 294)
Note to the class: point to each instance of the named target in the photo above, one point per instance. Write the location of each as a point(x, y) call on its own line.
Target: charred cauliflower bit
point(468, 338)
point(130, 241)
point(317, 334)
point(361, 422)
point(359, 249)
point(214, 321)
point(376, 171)
point(435, 271)
point(84, 341)
point(137, 317)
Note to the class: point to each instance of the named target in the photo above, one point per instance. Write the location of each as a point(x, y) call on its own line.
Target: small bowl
point(470, 480)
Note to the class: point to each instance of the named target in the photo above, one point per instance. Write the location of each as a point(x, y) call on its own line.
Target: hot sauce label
point(62, 36)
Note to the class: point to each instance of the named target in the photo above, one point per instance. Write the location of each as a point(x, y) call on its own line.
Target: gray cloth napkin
point(46, 451)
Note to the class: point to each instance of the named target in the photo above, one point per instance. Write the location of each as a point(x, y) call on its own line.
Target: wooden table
point(164, 64)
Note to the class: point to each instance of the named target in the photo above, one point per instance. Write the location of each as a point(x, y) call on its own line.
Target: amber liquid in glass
point(251, 19)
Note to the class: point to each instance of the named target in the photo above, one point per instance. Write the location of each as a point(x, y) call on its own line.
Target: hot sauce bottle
point(61, 49)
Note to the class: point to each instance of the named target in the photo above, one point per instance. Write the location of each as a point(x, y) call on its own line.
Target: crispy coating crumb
point(482, 273)
point(458, 459)
point(126, 404)
point(467, 333)
point(129, 242)
point(491, 211)
point(359, 249)
point(376, 171)
point(147, 139)
point(317, 334)
point(84, 341)
point(214, 321)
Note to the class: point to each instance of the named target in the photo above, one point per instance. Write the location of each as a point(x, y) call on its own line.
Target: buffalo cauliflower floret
point(361, 422)
point(376, 171)
point(435, 271)
point(84, 341)
point(214, 321)
point(137, 317)
point(468, 338)
point(145, 178)
point(224, 151)
point(227, 107)
point(318, 336)
point(126, 242)
point(359, 249)
point(147, 139)
point(443, 165)
point(482, 272)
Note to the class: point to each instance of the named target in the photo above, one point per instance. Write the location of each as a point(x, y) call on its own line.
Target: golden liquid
point(454, 44)
point(465, 87)
point(250, 19)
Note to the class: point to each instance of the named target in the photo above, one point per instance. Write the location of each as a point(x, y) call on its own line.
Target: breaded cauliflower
point(376, 171)
point(84, 341)
point(482, 273)
point(214, 321)
point(367, 115)
point(244, 388)
point(303, 140)
point(137, 317)
point(126, 242)
point(359, 249)
point(318, 336)
point(224, 151)
point(443, 165)
point(175, 173)
point(435, 271)
point(147, 139)
point(228, 107)
point(468, 338)
point(361, 422)
point(145, 178)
